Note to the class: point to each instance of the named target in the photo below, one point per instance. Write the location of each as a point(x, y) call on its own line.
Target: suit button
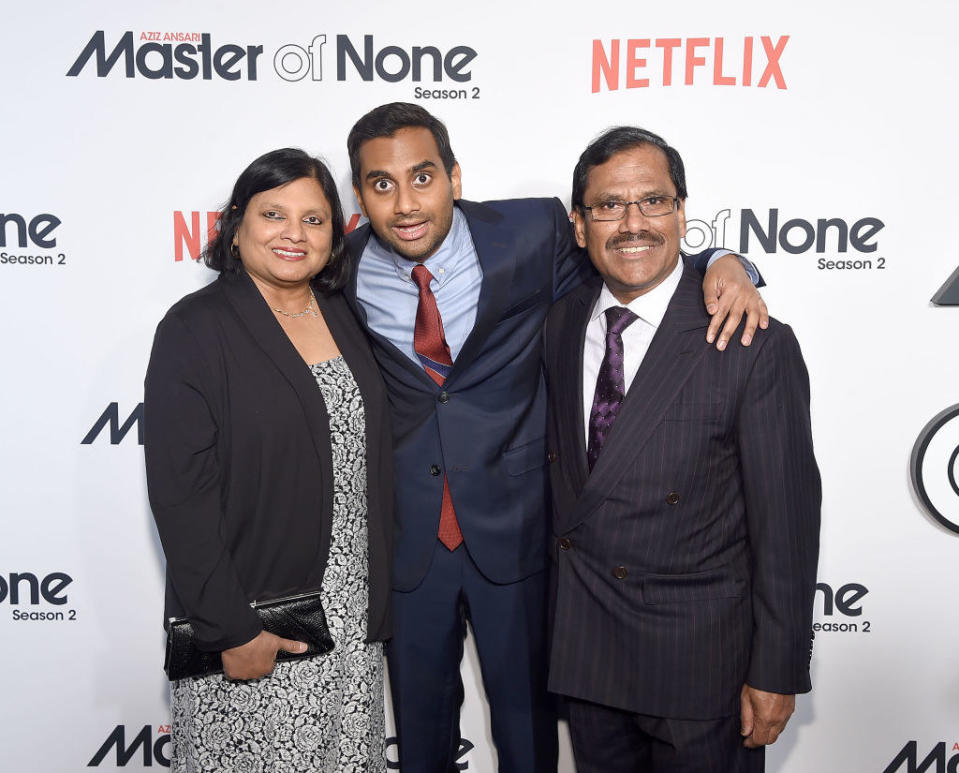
point(620, 572)
point(435, 469)
point(565, 544)
point(444, 397)
point(672, 498)
point(552, 456)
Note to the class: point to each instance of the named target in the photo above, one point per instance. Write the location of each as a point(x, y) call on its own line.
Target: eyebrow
point(282, 208)
point(376, 173)
point(607, 196)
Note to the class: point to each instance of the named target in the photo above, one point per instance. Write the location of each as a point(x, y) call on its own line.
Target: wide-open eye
point(383, 185)
point(423, 178)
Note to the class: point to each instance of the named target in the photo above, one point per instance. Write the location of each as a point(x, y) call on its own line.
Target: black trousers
point(609, 740)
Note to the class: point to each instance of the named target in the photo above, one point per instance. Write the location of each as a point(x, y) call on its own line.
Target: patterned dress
point(320, 714)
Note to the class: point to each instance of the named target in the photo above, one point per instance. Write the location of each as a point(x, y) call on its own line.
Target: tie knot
point(618, 318)
point(422, 276)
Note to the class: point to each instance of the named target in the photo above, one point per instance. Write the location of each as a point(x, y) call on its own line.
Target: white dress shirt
point(650, 308)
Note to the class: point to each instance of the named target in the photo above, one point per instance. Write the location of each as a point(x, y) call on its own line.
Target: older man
point(685, 496)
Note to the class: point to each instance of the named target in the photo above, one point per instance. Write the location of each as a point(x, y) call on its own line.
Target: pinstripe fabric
point(609, 740)
point(685, 563)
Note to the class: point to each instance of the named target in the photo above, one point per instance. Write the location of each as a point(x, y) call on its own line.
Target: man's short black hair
point(615, 140)
point(387, 120)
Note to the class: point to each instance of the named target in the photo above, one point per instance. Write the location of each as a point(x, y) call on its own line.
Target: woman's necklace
point(310, 309)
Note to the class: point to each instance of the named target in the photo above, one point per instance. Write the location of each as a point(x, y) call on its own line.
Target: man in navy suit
point(453, 295)
point(685, 496)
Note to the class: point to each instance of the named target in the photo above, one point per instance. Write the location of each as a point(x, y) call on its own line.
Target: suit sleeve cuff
point(754, 276)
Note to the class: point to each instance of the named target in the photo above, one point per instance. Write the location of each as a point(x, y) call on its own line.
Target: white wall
point(860, 124)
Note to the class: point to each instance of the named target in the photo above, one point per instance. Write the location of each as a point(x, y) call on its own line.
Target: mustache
point(621, 240)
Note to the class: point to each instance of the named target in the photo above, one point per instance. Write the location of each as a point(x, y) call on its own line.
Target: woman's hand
point(257, 657)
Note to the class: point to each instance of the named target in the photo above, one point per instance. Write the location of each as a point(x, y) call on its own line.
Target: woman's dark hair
point(387, 120)
point(271, 170)
point(617, 139)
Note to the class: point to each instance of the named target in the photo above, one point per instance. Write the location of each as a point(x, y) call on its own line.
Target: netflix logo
point(192, 231)
point(639, 63)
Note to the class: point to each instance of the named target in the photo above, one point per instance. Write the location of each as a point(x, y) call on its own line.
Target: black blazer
point(685, 562)
point(239, 465)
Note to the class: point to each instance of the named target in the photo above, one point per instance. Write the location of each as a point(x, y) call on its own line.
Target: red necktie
point(430, 345)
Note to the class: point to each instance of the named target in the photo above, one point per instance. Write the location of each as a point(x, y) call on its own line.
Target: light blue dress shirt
point(387, 293)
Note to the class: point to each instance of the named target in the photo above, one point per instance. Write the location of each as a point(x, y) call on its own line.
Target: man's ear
point(579, 227)
point(456, 180)
point(359, 200)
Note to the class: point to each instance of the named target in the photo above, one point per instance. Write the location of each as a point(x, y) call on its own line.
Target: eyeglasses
point(651, 206)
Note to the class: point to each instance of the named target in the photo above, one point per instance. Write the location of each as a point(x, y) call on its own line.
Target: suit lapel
point(569, 400)
point(355, 244)
point(498, 261)
point(255, 315)
point(676, 349)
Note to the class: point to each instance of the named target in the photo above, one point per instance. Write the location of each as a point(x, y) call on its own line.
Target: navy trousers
point(509, 627)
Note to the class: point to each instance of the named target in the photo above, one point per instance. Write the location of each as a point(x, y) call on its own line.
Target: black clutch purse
point(299, 617)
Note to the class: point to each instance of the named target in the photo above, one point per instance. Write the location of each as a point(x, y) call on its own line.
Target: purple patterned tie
point(610, 383)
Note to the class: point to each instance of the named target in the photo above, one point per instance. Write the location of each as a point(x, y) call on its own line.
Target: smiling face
point(286, 235)
point(638, 252)
point(406, 193)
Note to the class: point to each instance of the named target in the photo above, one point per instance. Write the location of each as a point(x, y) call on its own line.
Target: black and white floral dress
point(321, 714)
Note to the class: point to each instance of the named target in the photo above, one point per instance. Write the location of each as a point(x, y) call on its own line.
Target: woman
point(268, 468)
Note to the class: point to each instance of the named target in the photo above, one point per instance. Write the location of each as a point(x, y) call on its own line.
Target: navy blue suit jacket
point(485, 427)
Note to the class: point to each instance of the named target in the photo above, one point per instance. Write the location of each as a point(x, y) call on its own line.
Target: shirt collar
point(442, 264)
point(649, 307)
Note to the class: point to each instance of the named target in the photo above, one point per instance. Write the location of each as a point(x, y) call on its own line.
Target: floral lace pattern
point(319, 714)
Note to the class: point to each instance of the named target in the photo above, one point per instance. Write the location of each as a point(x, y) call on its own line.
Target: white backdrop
point(836, 111)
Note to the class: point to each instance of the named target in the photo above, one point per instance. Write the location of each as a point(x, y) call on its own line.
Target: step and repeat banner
point(818, 141)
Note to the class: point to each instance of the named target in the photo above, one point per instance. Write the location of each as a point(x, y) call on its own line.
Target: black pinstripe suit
point(685, 563)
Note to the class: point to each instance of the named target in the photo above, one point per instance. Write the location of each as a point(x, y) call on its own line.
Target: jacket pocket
point(701, 411)
point(701, 586)
point(526, 303)
point(526, 457)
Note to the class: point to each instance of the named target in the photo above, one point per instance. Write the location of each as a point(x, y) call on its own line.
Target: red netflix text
point(638, 63)
point(192, 231)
